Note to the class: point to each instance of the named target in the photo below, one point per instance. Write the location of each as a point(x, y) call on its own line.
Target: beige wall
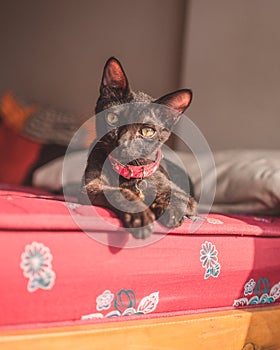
point(54, 51)
point(232, 62)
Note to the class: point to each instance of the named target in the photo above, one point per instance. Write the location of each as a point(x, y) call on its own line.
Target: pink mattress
point(52, 272)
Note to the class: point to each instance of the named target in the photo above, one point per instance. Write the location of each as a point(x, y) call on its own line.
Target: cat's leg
point(172, 208)
point(135, 215)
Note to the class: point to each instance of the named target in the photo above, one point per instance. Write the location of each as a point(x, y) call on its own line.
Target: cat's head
point(133, 122)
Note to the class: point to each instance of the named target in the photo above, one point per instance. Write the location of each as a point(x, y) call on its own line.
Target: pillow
point(62, 172)
point(247, 181)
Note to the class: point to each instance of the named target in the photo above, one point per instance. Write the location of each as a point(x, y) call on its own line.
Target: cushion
point(247, 181)
point(54, 272)
point(32, 135)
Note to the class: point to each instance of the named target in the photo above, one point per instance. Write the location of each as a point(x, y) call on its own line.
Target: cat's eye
point(147, 132)
point(112, 119)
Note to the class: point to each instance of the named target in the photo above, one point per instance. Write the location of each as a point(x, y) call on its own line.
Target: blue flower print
point(260, 291)
point(125, 299)
point(124, 304)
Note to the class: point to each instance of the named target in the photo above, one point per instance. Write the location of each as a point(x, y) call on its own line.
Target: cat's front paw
point(175, 215)
point(140, 225)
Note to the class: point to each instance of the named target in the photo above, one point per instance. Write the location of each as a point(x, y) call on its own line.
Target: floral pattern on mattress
point(52, 272)
point(124, 303)
point(36, 263)
point(260, 292)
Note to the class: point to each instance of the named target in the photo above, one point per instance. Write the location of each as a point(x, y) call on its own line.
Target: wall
point(54, 51)
point(232, 63)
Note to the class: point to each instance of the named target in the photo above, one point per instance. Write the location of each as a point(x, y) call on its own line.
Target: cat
point(125, 170)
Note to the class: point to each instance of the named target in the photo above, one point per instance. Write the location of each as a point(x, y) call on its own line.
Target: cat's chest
point(146, 189)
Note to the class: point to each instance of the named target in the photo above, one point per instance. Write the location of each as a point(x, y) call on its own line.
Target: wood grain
point(255, 329)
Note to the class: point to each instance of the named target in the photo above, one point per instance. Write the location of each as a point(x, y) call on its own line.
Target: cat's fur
point(168, 202)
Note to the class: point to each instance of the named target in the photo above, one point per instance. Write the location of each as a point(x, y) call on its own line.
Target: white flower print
point(249, 287)
point(124, 304)
point(149, 303)
point(36, 263)
point(209, 259)
point(262, 293)
point(208, 255)
point(214, 221)
point(103, 301)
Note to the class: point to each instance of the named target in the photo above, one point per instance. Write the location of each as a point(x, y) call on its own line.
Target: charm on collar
point(141, 186)
point(135, 171)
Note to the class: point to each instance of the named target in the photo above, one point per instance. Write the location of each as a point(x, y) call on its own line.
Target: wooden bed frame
point(253, 329)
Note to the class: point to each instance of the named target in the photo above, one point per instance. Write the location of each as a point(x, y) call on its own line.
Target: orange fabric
point(17, 155)
point(230, 330)
point(13, 113)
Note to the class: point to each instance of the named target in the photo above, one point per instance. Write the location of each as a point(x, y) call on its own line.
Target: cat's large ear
point(114, 77)
point(178, 102)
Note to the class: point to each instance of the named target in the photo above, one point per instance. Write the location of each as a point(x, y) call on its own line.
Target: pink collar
point(135, 171)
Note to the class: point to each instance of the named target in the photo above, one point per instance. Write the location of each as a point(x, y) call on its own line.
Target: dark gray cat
point(125, 171)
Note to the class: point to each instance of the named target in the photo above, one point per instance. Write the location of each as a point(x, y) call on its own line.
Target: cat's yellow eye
point(147, 132)
point(112, 118)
